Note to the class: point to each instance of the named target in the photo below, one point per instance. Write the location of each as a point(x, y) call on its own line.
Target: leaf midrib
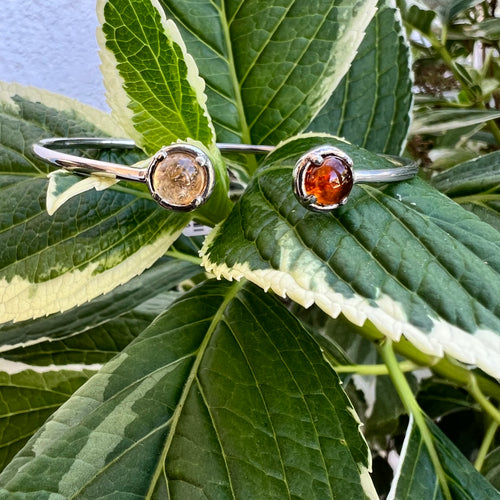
point(191, 380)
point(381, 264)
point(238, 99)
point(158, 67)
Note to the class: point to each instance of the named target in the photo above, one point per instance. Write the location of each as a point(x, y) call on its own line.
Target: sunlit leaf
point(93, 243)
point(270, 66)
point(371, 106)
point(401, 255)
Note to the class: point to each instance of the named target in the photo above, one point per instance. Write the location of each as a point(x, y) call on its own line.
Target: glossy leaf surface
point(99, 328)
point(92, 244)
point(219, 401)
point(28, 399)
point(402, 255)
point(153, 86)
point(416, 476)
point(371, 106)
point(270, 66)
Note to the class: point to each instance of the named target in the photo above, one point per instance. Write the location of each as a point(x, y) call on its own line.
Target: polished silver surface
point(327, 196)
point(80, 165)
point(47, 150)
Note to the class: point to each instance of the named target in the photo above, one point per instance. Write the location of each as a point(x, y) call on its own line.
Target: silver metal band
point(181, 176)
point(44, 149)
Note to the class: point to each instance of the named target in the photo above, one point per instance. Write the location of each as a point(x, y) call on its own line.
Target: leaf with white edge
point(76, 112)
point(401, 255)
point(29, 398)
point(63, 186)
point(124, 312)
point(153, 85)
point(416, 476)
point(154, 89)
point(271, 65)
point(371, 106)
point(475, 185)
point(439, 121)
point(229, 400)
point(91, 245)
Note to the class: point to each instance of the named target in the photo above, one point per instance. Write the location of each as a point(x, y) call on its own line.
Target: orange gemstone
point(330, 183)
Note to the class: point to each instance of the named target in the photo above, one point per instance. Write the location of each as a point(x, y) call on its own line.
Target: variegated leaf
point(416, 476)
point(112, 320)
point(63, 186)
point(224, 396)
point(154, 89)
point(270, 66)
point(93, 243)
point(402, 256)
point(29, 397)
point(153, 85)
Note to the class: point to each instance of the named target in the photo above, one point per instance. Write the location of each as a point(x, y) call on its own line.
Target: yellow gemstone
point(178, 179)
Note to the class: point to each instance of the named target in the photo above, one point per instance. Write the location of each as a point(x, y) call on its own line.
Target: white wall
point(51, 44)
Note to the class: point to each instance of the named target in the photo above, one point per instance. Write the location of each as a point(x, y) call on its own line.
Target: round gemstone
point(330, 182)
point(178, 179)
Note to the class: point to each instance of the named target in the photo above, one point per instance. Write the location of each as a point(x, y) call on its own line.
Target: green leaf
point(100, 328)
point(92, 244)
point(439, 399)
point(416, 477)
point(229, 400)
point(420, 19)
point(438, 121)
point(448, 9)
point(371, 106)
point(28, 399)
point(475, 185)
point(270, 66)
point(64, 185)
point(491, 467)
point(154, 89)
point(401, 255)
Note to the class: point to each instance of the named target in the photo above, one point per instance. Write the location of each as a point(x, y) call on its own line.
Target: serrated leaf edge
point(116, 96)
point(480, 349)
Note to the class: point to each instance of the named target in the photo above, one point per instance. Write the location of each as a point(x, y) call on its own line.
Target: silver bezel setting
point(316, 157)
point(199, 157)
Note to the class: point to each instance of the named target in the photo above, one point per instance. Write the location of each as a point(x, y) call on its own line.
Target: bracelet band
point(181, 177)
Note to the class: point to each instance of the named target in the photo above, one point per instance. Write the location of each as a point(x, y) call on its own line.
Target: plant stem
point(412, 407)
point(184, 256)
point(483, 401)
point(444, 367)
point(486, 445)
point(477, 198)
point(404, 366)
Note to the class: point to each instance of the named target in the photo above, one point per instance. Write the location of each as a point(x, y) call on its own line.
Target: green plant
point(214, 388)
